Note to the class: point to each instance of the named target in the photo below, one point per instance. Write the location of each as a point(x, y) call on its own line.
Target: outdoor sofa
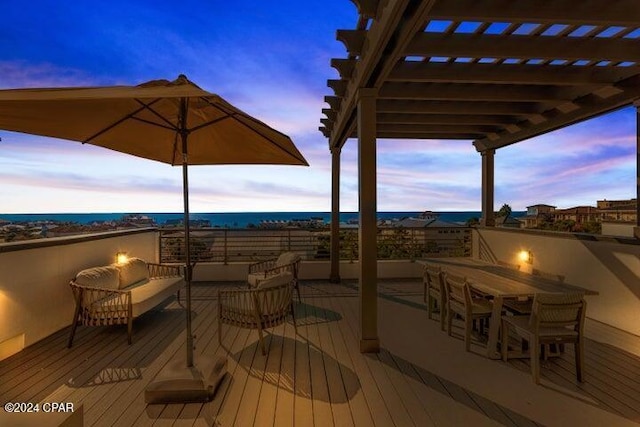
point(118, 293)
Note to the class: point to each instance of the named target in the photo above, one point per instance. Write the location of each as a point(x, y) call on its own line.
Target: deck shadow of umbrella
point(308, 314)
point(296, 378)
point(154, 331)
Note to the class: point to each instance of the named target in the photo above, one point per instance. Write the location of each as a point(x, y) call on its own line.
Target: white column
point(334, 276)
point(488, 219)
point(367, 236)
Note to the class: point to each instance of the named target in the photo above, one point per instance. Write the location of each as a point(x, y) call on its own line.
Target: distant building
point(536, 214)
point(608, 204)
point(616, 217)
point(578, 214)
point(618, 210)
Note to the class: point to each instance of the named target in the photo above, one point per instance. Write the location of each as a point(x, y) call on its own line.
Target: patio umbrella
point(174, 122)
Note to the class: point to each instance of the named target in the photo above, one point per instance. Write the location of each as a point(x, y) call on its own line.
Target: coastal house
point(577, 214)
point(364, 351)
point(618, 210)
point(536, 214)
point(618, 217)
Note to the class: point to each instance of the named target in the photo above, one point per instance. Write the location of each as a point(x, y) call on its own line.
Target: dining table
point(506, 286)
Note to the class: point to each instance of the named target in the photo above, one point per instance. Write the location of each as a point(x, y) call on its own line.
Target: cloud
point(273, 63)
point(21, 74)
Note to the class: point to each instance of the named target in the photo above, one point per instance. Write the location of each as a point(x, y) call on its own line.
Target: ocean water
point(233, 219)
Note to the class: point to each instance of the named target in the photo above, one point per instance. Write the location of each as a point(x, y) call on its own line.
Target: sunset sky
point(270, 59)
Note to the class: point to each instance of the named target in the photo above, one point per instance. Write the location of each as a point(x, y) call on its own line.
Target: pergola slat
point(508, 74)
point(529, 47)
point(594, 12)
point(464, 92)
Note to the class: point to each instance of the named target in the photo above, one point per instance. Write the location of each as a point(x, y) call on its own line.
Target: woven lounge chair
point(266, 306)
point(287, 261)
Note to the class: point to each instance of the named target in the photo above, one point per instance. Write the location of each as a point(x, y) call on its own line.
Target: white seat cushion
point(277, 280)
point(286, 258)
point(99, 277)
point(255, 278)
point(146, 296)
point(132, 272)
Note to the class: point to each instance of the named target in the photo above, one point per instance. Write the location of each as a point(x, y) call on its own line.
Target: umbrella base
point(177, 383)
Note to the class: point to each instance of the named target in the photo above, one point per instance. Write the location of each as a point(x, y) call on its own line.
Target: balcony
point(421, 376)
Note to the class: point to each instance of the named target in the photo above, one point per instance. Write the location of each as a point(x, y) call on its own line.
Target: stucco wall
point(35, 298)
point(608, 266)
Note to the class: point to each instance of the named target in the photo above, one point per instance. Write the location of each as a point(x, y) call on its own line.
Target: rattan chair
point(556, 318)
point(461, 302)
point(262, 270)
point(266, 306)
point(434, 293)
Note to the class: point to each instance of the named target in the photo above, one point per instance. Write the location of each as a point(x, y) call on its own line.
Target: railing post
point(225, 255)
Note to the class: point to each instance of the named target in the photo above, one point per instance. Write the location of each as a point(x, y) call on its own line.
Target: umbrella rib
point(193, 129)
point(125, 118)
point(149, 122)
point(155, 113)
point(250, 118)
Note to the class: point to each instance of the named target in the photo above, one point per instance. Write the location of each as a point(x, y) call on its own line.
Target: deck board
point(283, 377)
point(318, 376)
point(376, 403)
point(392, 399)
point(360, 411)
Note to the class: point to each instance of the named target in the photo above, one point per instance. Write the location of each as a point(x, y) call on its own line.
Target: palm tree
point(504, 211)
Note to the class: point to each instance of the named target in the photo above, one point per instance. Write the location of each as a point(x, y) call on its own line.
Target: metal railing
point(230, 245)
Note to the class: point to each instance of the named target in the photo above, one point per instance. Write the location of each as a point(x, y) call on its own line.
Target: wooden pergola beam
point(424, 72)
point(604, 13)
point(526, 47)
point(345, 67)
point(425, 135)
point(378, 37)
point(588, 106)
point(367, 8)
point(463, 92)
point(413, 128)
point(460, 107)
point(445, 119)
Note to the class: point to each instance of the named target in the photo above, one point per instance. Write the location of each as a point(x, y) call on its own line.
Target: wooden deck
point(421, 377)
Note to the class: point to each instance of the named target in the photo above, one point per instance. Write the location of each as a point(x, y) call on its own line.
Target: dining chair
point(460, 301)
point(434, 293)
point(556, 318)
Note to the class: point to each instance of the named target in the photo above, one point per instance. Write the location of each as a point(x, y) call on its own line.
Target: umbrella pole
point(185, 189)
point(177, 383)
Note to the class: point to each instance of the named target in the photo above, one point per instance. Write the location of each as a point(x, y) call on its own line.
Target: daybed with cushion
point(118, 293)
point(287, 261)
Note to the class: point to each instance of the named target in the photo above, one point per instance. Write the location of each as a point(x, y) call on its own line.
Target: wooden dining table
point(502, 283)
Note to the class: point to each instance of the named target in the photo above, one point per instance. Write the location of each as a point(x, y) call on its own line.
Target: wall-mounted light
point(121, 258)
point(525, 256)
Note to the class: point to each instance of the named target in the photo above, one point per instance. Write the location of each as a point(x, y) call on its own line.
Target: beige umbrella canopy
point(145, 121)
point(172, 122)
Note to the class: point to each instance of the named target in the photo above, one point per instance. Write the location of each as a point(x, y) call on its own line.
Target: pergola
point(492, 71)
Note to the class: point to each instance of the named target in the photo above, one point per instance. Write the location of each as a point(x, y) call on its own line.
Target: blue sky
point(270, 59)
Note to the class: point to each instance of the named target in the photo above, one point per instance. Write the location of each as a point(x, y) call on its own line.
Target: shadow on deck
point(319, 377)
